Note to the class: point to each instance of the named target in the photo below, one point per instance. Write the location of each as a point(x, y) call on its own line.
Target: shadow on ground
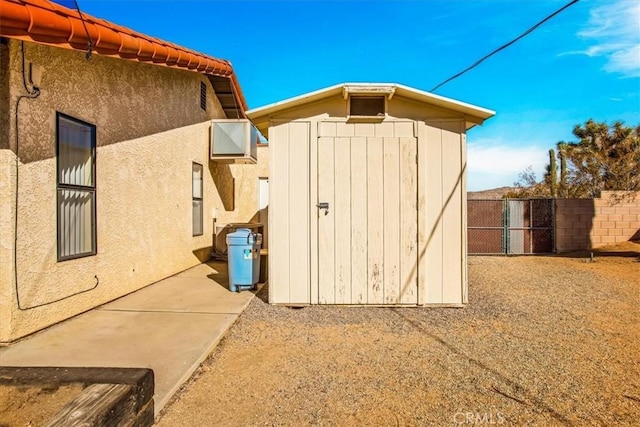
point(630, 249)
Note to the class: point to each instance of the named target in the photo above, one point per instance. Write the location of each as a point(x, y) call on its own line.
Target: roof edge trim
point(48, 23)
point(394, 88)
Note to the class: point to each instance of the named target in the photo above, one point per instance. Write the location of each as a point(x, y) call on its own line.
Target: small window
point(203, 96)
point(196, 194)
point(76, 187)
point(369, 106)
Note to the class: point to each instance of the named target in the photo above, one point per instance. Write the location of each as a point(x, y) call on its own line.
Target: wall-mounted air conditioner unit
point(234, 141)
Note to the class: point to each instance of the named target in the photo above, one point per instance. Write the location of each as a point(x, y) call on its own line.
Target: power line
point(84, 24)
point(504, 46)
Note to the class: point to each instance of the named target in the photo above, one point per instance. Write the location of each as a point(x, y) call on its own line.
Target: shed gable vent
point(367, 106)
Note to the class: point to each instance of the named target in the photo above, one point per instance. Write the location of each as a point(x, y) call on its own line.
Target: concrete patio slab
point(219, 270)
point(203, 296)
point(170, 327)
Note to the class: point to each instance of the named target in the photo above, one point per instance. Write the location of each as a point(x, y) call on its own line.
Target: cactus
point(563, 170)
point(553, 174)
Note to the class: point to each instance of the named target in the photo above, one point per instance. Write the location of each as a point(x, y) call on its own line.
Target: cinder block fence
point(583, 224)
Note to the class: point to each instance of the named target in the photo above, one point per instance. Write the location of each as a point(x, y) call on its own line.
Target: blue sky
point(584, 63)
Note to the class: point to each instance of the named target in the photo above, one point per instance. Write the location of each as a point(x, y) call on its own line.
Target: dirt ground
point(544, 341)
point(33, 406)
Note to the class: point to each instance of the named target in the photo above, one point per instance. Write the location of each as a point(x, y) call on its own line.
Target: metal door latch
point(325, 206)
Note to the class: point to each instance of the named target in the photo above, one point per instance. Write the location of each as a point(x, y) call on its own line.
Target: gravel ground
point(544, 341)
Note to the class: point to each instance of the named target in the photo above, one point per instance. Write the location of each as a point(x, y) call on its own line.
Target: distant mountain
point(495, 193)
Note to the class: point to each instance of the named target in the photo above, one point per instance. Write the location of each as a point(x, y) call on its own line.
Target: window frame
point(200, 199)
point(91, 189)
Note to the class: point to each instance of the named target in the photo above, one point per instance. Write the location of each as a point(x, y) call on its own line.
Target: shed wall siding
point(443, 265)
point(463, 196)
point(336, 110)
point(452, 219)
point(368, 236)
point(441, 172)
point(289, 252)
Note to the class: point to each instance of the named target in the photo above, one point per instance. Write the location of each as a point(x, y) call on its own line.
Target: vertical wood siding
point(390, 204)
point(326, 191)
point(359, 235)
point(443, 264)
point(463, 166)
point(394, 233)
point(289, 214)
point(375, 220)
point(343, 218)
point(367, 250)
point(452, 218)
point(408, 220)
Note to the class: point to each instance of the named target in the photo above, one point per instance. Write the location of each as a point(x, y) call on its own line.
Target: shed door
point(367, 237)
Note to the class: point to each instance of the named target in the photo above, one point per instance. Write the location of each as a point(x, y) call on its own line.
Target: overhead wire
point(504, 46)
point(84, 24)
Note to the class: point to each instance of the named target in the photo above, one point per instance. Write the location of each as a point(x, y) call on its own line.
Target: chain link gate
point(510, 226)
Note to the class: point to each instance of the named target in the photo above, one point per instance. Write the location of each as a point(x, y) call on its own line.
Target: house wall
point(7, 178)
point(583, 224)
point(4, 93)
point(124, 99)
point(150, 128)
point(293, 134)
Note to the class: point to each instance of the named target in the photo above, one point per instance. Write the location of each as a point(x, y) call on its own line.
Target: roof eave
point(307, 98)
point(474, 115)
point(48, 23)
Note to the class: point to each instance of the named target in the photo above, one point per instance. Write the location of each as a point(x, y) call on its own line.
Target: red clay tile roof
point(45, 22)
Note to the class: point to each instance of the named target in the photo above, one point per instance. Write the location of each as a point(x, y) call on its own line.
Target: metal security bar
point(510, 226)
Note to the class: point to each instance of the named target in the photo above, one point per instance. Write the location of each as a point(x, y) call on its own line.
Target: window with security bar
point(197, 199)
point(76, 187)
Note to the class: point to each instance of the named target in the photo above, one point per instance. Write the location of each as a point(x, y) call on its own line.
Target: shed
point(367, 200)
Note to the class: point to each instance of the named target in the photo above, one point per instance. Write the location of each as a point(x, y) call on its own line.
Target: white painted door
point(367, 220)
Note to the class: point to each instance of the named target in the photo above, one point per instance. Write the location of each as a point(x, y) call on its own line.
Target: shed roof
point(45, 22)
point(474, 114)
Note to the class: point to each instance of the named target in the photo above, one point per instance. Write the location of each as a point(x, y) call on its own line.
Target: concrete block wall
point(583, 224)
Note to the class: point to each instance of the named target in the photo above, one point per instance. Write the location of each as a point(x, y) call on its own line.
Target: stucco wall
point(4, 93)
point(7, 178)
point(124, 99)
point(241, 187)
point(150, 128)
